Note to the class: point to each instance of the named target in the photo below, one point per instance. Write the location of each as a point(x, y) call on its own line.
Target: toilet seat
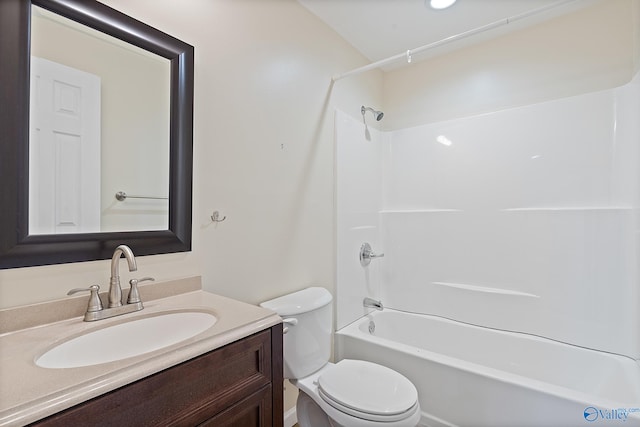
point(367, 416)
point(368, 391)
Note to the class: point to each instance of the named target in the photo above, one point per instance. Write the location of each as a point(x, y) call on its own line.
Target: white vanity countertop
point(29, 392)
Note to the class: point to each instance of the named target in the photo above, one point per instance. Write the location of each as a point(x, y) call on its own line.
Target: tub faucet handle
point(367, 254)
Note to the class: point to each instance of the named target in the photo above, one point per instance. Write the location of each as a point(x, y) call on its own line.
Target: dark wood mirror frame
point(17, 247)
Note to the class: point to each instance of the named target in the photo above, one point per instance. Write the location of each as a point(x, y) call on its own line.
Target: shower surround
point(522, 220)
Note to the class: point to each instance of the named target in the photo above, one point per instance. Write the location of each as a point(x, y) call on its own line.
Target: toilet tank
point(307, 316)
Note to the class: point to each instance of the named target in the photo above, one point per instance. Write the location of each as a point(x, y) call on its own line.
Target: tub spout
point(372, 303)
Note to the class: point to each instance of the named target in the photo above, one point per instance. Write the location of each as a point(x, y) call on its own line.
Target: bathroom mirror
point(24, 245)
point(98, 128)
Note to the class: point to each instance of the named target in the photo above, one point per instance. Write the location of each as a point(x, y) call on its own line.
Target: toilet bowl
point(349, 393)
point(355, 393)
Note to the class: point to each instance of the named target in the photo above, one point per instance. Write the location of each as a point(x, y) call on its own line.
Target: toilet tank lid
point(299, 302)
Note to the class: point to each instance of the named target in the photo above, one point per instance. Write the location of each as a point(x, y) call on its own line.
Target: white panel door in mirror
point(64, 150)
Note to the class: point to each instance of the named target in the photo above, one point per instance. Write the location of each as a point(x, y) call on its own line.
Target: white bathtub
point(470, 376)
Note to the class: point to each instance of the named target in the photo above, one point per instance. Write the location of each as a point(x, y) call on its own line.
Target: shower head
point(377, 114)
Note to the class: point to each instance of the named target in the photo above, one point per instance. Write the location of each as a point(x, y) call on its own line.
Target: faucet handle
point(134, 295)
point(95, 304)
point(367, 254)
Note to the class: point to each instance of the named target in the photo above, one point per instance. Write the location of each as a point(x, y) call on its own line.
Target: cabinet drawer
point(186, 394)
point(253, 411)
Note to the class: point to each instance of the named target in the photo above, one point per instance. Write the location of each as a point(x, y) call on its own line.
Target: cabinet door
point(253, 411)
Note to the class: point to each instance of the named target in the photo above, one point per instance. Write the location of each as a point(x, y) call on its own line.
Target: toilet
point(349, 393)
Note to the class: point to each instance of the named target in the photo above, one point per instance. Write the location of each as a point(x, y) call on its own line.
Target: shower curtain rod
point(409, 53)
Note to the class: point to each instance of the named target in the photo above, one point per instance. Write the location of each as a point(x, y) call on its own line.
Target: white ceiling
point(383, 28)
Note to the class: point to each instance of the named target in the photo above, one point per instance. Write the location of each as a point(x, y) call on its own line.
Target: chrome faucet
point(115, 290)
point(372, 303)
point(95, 310)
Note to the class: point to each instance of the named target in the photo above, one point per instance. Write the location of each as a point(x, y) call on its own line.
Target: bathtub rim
point(354, 331)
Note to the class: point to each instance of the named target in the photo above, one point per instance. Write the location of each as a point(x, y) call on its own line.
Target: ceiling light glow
point(441, 4)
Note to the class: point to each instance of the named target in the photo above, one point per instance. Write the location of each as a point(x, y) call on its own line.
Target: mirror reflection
point(99, 126)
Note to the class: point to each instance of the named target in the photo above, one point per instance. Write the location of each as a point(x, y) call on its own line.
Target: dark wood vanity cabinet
point(238, 385)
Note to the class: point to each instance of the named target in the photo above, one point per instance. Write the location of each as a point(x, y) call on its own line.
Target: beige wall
point(636, 35)
point(591, 49)
point(263, 151)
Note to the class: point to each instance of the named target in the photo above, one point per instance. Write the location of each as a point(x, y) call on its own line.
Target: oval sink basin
point(127, 339)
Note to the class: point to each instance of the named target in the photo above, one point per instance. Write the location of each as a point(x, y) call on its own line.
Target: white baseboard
point(290, 417)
